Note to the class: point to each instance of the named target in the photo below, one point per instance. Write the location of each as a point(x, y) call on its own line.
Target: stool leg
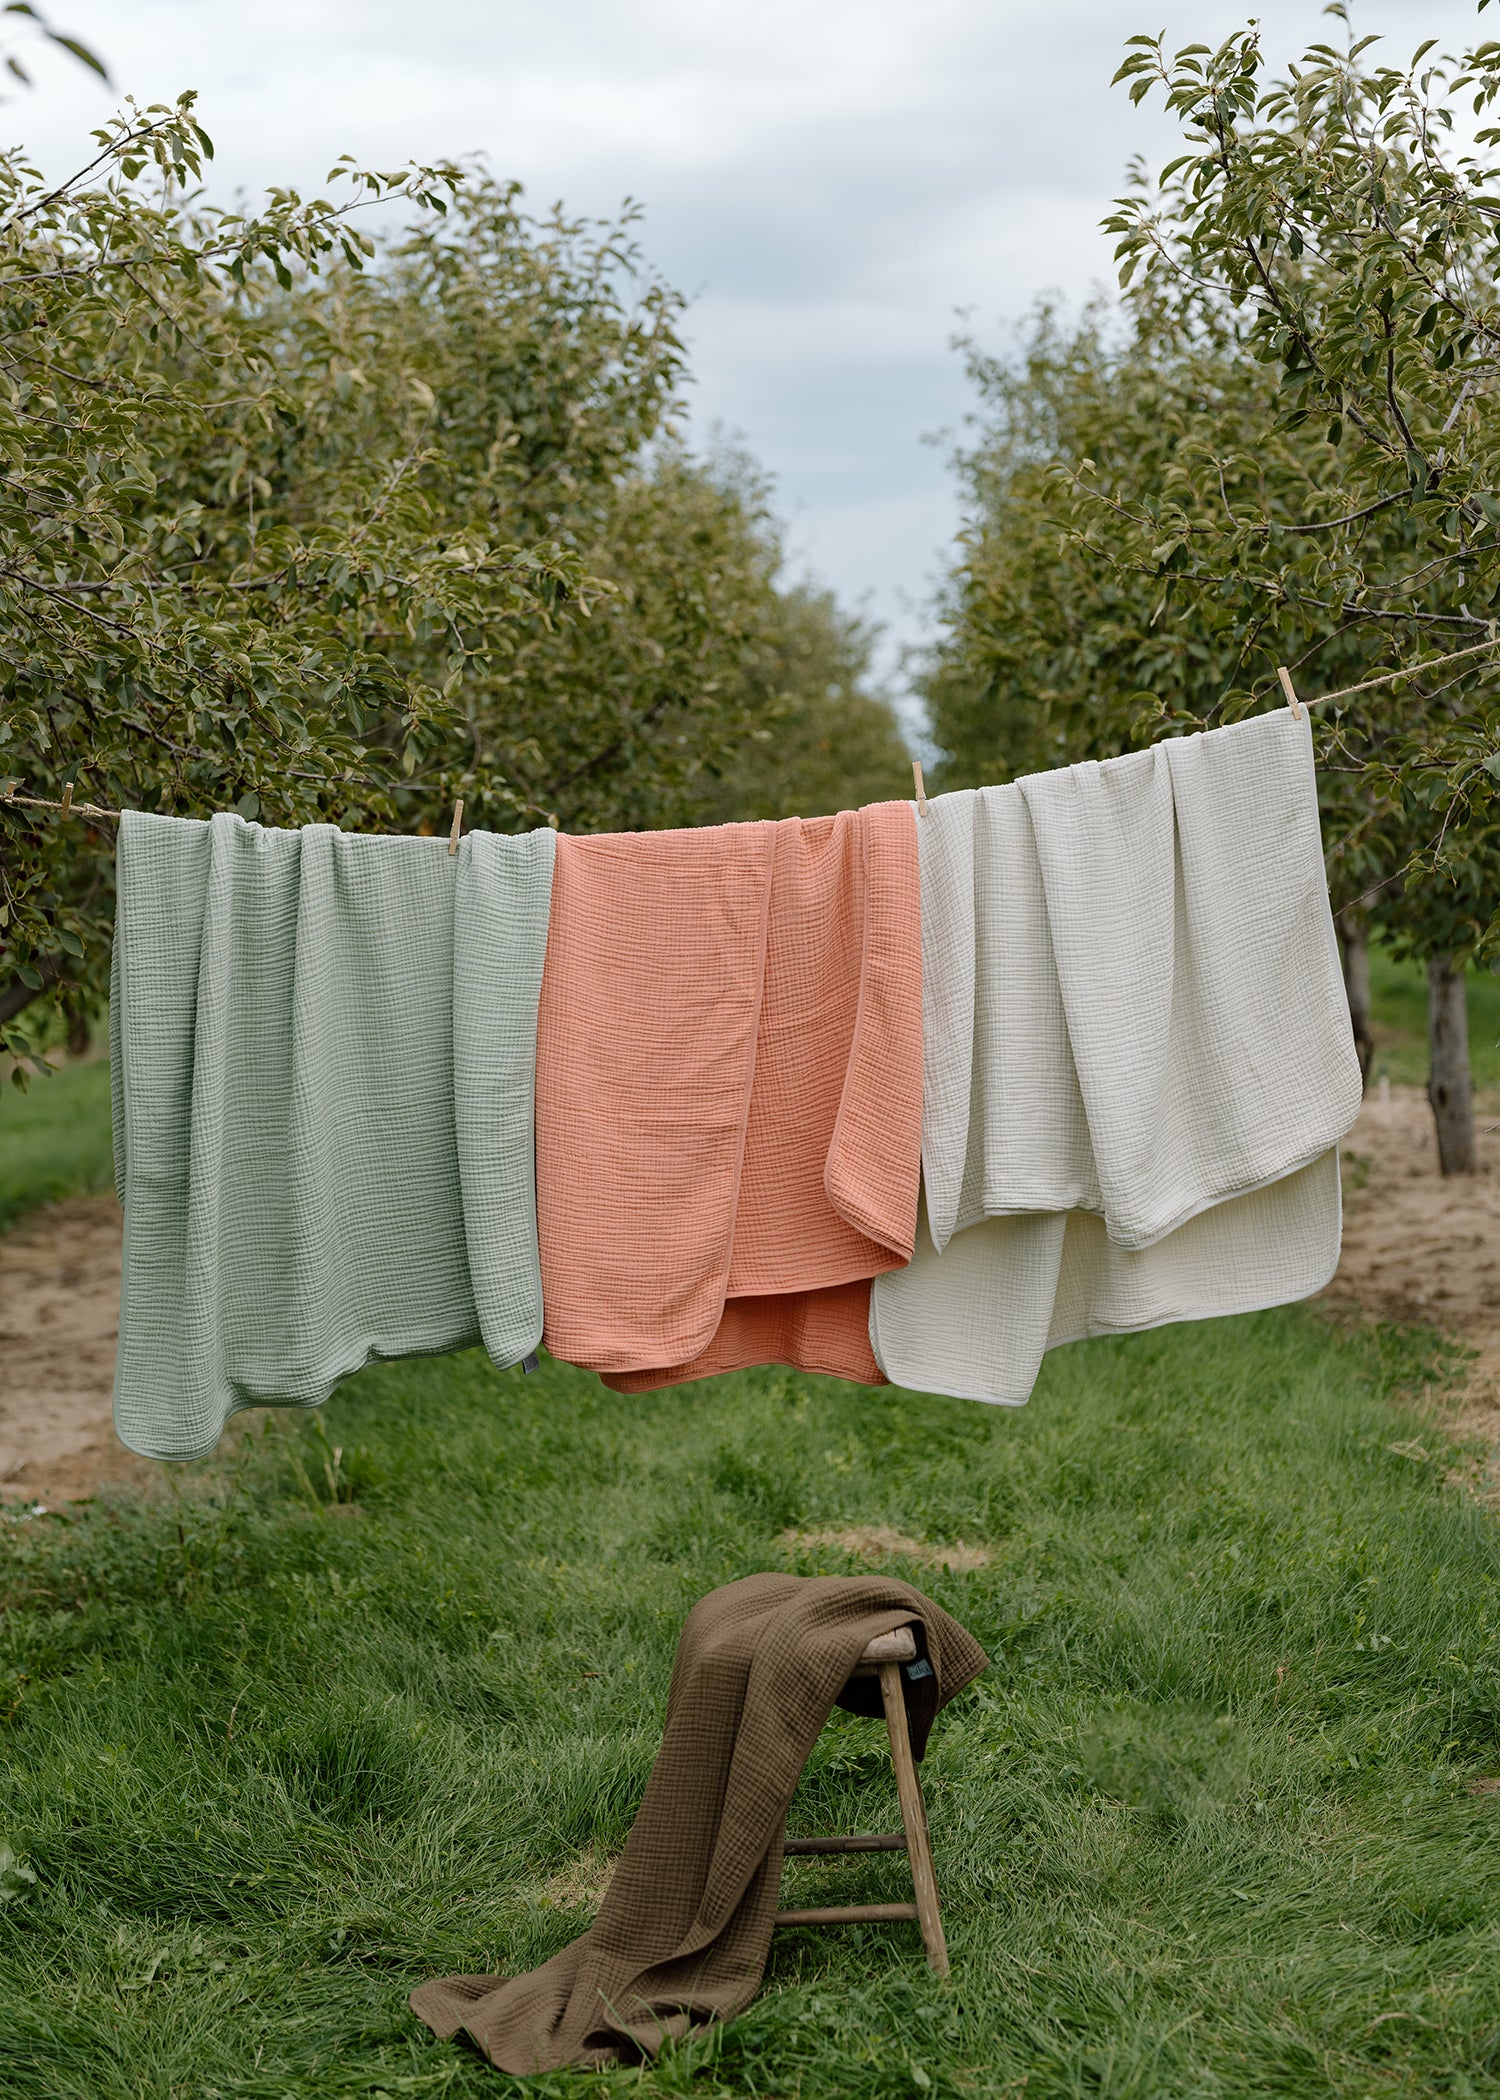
point(914, 1819)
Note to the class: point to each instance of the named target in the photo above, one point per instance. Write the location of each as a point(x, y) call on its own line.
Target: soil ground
point(1416, 1249)
point(1420, 1249)
point(59, 1310)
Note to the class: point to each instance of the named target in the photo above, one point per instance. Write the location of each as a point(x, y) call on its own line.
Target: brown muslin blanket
point(684, 1929)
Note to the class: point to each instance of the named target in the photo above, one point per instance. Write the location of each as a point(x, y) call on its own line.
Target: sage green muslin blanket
point(324, 1052)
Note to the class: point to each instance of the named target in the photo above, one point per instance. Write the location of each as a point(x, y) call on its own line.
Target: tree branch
point(16, 997)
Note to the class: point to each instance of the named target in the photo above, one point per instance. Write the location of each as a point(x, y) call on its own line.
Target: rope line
point(1432, 663)
point(70, 808)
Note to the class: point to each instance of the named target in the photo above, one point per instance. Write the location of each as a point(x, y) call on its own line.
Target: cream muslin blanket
point(1137, 1057)
point(324, 1054)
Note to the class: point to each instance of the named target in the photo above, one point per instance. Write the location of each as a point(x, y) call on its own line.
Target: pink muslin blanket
point(729, 1094)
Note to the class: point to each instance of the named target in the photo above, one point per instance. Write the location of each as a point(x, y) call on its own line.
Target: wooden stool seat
point(883, 1657)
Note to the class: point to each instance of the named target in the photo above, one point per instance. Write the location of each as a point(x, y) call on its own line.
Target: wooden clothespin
point(458, 818)
point(1290, 690)
point(67, 800)
point(916, 774)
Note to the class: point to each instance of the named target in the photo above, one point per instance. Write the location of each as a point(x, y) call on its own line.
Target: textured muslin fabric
point(976, 1321)
point(502, 901)
point(1188, 908)
point(684, 1928)
point(730, 1150)
point(323, 1067)
point(1137, 1057)
point(825, 1330)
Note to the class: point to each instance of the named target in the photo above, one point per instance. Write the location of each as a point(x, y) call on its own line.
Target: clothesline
point(1346, 692)
point(539, 1079)
point(69, 808)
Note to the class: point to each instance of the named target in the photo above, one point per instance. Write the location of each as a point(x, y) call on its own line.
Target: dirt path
point(1415, 1248)
point(59, 1309)
point(1419, 1248)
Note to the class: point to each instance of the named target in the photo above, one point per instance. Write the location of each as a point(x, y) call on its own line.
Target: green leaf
point(81, 52)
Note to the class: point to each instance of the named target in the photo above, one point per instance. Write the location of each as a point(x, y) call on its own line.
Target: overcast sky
point(832, 181)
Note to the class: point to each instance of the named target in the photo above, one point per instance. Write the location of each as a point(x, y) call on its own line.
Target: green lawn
point(54, 1138)
point(352, 1714)
point(1398, 996)
point(373, 1701)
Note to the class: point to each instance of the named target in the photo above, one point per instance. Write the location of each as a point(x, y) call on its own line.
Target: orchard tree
point(313, 531)
point(1055, 649)
point(1290, 455)
point(829, 742)
point(170, 641)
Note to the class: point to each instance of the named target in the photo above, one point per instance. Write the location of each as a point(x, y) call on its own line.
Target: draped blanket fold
point(323, 1068)
point(729, 1073)
point(1138, 1057)
point(683, 1931)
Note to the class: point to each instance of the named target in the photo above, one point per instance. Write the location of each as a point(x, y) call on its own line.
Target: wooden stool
point(885, 1655)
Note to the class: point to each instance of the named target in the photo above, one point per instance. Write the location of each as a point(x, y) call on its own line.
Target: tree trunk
point(1449, 1087)
point(15, 999)
point(1354, 945)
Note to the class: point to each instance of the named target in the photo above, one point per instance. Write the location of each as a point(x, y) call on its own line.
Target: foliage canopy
point(286, 532)
point(1284, 451)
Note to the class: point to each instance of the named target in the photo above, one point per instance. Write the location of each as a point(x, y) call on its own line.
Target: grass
point(373, 1698)
point(373, 1702)
point(1398, 997)
point(54, 1138)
